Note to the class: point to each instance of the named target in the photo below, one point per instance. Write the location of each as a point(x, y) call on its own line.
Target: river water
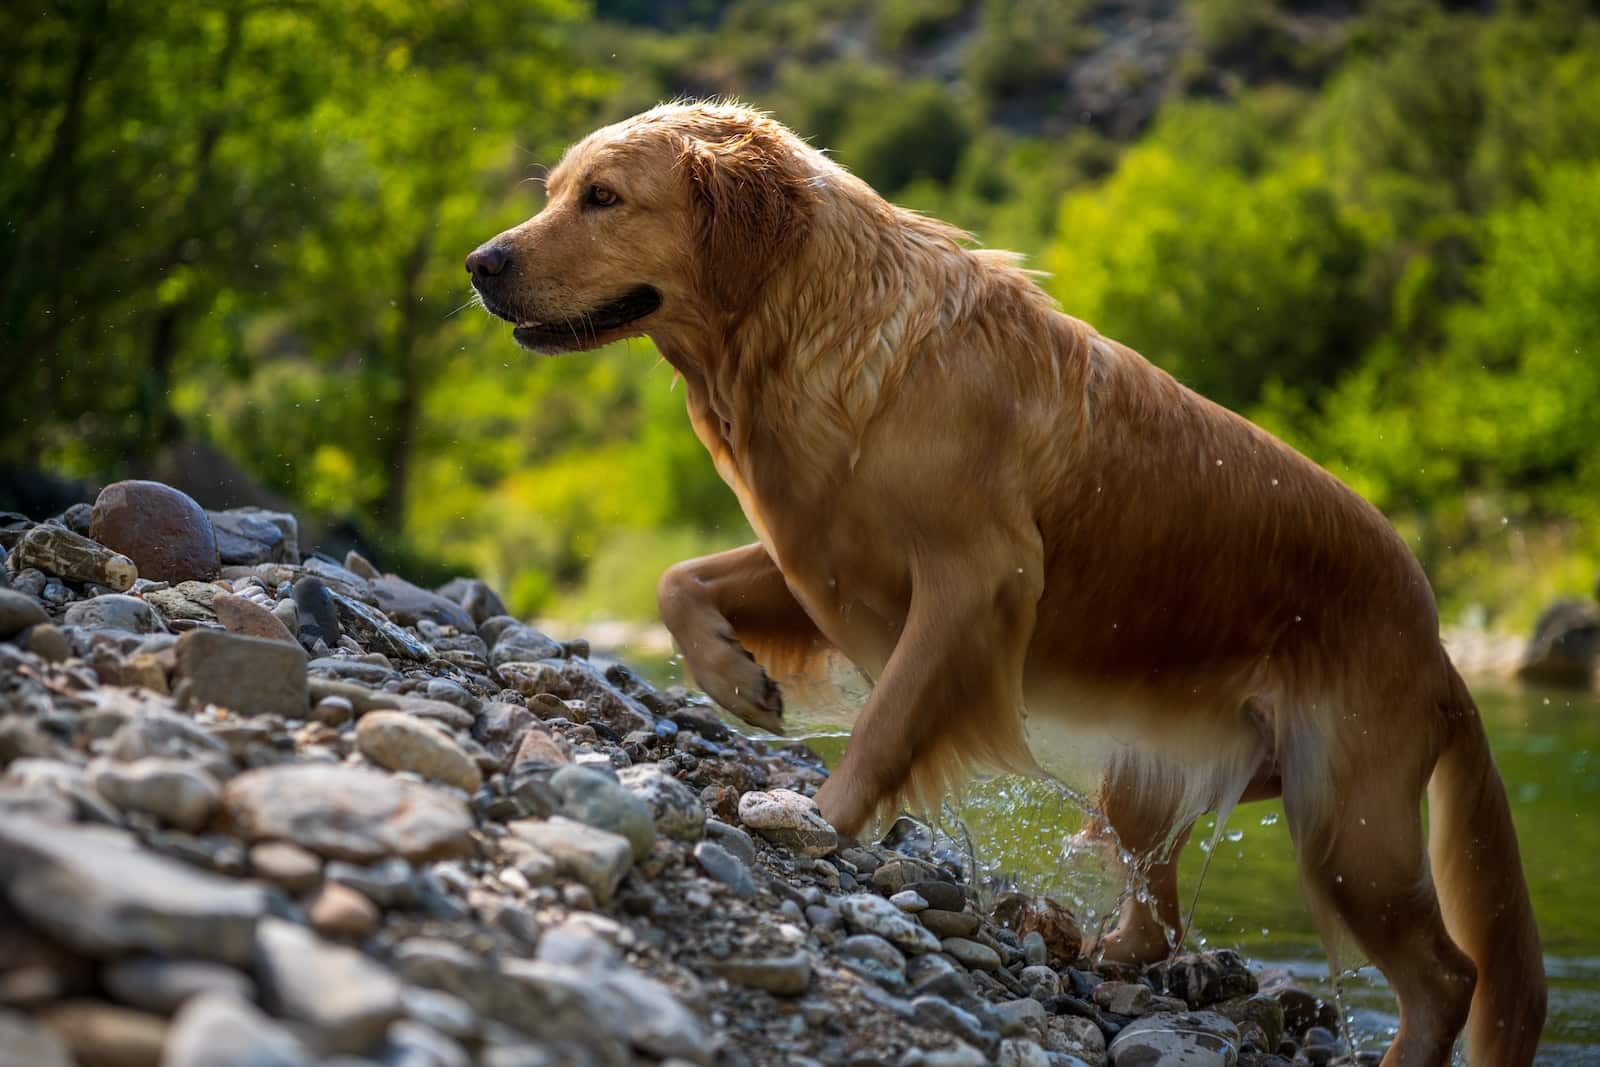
point(1547, 745)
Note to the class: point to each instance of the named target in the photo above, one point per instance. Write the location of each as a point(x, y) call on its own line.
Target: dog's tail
point(1477, 868)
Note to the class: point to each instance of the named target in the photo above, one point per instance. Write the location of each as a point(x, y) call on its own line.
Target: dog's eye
point(600, 196)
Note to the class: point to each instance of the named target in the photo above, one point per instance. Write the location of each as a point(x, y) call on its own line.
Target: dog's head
point(669, 220)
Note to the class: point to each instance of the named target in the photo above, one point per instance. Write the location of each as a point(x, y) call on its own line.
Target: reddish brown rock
point(241, 615)
point(166, 534)
point(1025, 915)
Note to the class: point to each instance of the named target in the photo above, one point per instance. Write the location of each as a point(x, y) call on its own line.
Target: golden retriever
point(994, 511)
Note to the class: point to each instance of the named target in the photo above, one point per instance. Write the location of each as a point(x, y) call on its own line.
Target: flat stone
point(115, 611)
point(909, 901)
point(785, 976)
point(1074, 1035)
point(678, 811)
point(186, 600)
point(1181, 1039)
point(221, 1030)
point(247, 675)
point(247, 536)
point(166, 534)
point(160, 985)
point(972, 954)
point(539, 747)
point(25, 1043)
point(596, 799)
point(374, 632)
point(243, 616)
point(733, 839)
point(105, 1035)
point(511, 641)
point(344, 998)
point(1123, 998)
point(942, 1015)
point(725, 867)
point(1262, 1009)
point(18, 611)
point(348, 813)
point(789, 820)
point(949, 923)
point(408, 604)
point(174, 791)
point(402, 742)
point(874, 959)
point(653, 1020)
point(57, 550)
point(869, 913)
point(597, 858)
point(102, 895)
point(1023, 1017)
point(339, 912)
point(476, 597)
point(445, 1013)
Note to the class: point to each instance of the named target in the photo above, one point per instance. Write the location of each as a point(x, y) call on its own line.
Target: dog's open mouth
point(605, 323)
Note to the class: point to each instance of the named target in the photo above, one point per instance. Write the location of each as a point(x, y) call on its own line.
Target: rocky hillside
point(258, 809)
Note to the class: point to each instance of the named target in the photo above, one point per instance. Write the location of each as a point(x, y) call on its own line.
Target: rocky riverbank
point(258, 809)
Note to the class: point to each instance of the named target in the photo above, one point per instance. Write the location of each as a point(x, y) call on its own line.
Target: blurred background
point(231, 237)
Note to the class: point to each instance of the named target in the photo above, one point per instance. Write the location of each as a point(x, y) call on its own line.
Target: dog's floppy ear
point(751, 210)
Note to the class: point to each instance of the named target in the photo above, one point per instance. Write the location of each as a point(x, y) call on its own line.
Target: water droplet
point(1269, 819)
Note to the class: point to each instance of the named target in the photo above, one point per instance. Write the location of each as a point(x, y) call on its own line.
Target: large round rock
point(166, 534)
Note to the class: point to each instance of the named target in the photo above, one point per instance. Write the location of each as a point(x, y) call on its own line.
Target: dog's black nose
point(487, 261)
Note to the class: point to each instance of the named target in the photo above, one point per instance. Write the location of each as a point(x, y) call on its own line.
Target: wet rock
point(1204, 978)
point(942, 1015)
point(596, 799)
point(340, 912)
point(25, 1043)
point(240, 615)
point(319, 616)
point(875, 959)
point(785, 976)
point(677, 810)
point(597, 858)
point(722, 865)
point(789, 820)
point(867, 913)
point(1123, 998)
point(341, 996)
point(374, 632)
point(166, 534)
point(220, 1030)
point(160, 985)
point(476, 597)
point(1261, 1009)
point(949, 923)
point(18, 612)
point(1021, 1052)
point(1074, 1035)
point(511, 641)
point(1193, 1039)
point(57, 550)
point(247, 675)
point(1022, 915)
point(115, 612)
point(1040, 981)
point(407, 604)
point(401, 742)
point(1301, 1010)
point(98, 892)
point(104, 1035)
point(977, 956)
point(347, 813)
point(250, 536)
point(1565, 649)
point(174, 791)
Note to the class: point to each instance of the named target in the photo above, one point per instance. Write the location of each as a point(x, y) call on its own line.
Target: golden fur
point(994, 512)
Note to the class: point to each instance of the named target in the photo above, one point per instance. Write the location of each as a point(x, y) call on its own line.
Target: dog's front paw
point(733, 678)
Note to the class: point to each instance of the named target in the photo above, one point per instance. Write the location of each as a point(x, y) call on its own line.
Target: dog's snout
point(488, 260)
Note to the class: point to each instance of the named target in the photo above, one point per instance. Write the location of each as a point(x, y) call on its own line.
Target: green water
point(1547, 745)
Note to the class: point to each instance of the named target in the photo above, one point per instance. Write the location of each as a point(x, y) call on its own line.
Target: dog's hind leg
point(725, 610)
point(1365, 870)
point(950, 695)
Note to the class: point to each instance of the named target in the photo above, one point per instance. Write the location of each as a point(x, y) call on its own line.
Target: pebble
point(1074, 1035)
point(319, 618)
point(874, 958)
point(785, 976)
point(18, 611)
point(288, 866)
point(733, 839)
point(941, 1014)
point(789, 820)
point(909, 900)
point(247, 675)
point(1123, 998)
point(1193, 1039)
point(1261, 1009)
point(221, 1030)
point(725, 867)
point(338, 994)
point(98, 893)
point(347, 813)
point(57, 550)
point(161, 529)
point(949, 923)
point(597, 799)
point(871, 914)
point(240, 615)
point(408, 604)
point(333, 711)
point(678, 812)
point(25, 1043)
point(172, 790)
point(250, 536)
point(116, 612)
point(105, 1035)
point(1034, 950)
point(402, 742)
point(160, 985)
point(973, 954)
point(339, 912)
point(597, 858)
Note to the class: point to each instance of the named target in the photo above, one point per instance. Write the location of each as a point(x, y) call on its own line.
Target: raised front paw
point(733, 678)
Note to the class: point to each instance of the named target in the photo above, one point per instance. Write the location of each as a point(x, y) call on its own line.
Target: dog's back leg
point(1142, 820)
point(1365, 872)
